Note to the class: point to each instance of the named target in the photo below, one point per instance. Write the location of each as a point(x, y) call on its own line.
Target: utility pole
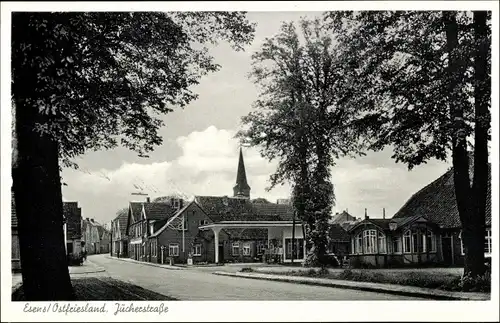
point(183, 229)
point(293, 236)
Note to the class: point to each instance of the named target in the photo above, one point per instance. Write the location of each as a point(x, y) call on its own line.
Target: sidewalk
point(365, 286)
point(146, 263)
point(88, 267)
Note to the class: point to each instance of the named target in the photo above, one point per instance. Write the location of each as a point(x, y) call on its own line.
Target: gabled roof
point(135, 209)
point(437, 203)
point(337, 233)
point(122, 221)
point(344, 216)
point(381, 223)
point(172, 219)
point(223, 208)
point(100, 230)
point(158, 211)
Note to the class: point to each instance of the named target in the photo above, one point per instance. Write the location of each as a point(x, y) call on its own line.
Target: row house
point(143, 220)
point(95, 237)
point(119, 238)
point(71, 228)
point(426, 230)
point(212, 229)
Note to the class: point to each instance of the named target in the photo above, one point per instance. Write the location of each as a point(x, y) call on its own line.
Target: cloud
point(207, 165)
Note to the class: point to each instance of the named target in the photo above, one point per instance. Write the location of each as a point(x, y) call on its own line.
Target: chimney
point(148, 200)
point(87, 219)
point(366, 215)
point(92, 220)
point(383, 213)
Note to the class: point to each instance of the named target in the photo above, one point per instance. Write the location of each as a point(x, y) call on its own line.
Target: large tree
point(296, 121)
point(421, 82)
point(85, 81)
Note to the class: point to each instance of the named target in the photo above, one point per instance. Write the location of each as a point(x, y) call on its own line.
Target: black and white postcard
point(163, 160)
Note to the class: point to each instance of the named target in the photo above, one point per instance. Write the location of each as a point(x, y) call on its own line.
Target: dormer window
point(176, 203)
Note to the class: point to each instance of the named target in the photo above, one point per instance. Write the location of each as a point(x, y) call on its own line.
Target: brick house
point(339, 240)
point(91, 236)
point(72, 231)
point(425, 230)
point(144, 218)
point(179, 238)
point(119, 239)
point(73, 227)
point(246, 244)
point(104, 239)
point(437, 203)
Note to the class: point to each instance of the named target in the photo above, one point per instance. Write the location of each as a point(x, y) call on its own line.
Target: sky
point(199, 155)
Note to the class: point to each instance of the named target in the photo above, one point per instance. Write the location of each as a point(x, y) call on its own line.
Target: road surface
point(192, 284)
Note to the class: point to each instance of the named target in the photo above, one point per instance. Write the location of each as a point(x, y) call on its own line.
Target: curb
point(145, 263)
point(100, 270)
point(368, 287)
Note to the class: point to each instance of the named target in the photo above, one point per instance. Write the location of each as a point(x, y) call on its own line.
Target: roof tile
point(437, 203)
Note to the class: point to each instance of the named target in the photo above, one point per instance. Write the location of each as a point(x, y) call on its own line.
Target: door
point(447, 252)
point(221, 253)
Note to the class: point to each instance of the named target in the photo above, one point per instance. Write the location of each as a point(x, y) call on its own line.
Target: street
point(201, 284)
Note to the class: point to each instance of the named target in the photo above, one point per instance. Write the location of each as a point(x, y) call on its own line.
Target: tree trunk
point(482, 83)
point(460, 157)
point(293, 237)
point(38, 198)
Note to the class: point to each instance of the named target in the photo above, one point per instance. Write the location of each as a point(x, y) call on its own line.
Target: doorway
point(221, 253)
point(447, 250)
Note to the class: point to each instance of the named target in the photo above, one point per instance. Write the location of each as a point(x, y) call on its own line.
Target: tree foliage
point(104, 78)
point(415, 81)
point(296, 120)
point(93, 80)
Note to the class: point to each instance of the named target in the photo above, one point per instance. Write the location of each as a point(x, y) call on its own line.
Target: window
point(177, 203)
point(418, 242)
point(153, 248)
point(407, 242)
point(203, 222)
point(462, 250)
point(173, 249)
point(487, 241)
point(235, 249)
point(260, 248)
point(359, 243)
point(381, 243)
point(369, 241)
point(431, 241)
point(246, 249)
point(396, 245)
point(152, 228)
point(197, 250)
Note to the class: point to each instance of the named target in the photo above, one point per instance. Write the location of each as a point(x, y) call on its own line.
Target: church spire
point(242, 189)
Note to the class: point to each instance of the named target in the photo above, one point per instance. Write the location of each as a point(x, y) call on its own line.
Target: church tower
point(242, 189)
